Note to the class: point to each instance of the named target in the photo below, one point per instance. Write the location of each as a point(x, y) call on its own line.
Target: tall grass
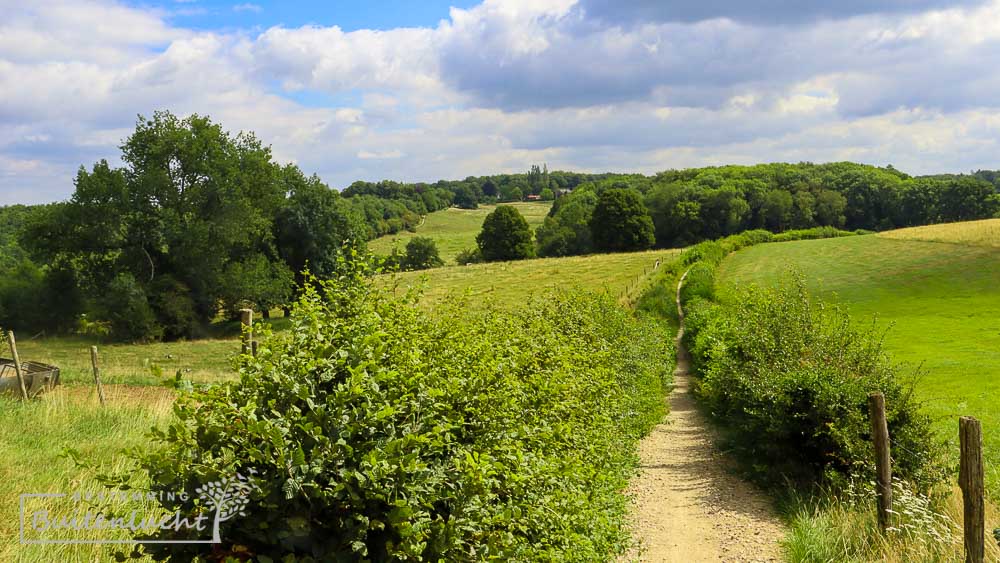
point(829, 528)
point(975, 233)
point(33, 438)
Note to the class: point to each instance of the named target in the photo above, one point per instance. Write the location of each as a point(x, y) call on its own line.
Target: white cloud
point(505, 84)
point(248, 8)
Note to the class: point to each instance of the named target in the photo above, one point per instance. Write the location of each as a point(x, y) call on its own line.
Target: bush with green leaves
point(421, 254)
point(791, 379)
point(505, 235)
point(469, 256)
point(379, 432)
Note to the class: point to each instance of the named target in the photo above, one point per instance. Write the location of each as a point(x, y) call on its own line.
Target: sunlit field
point(978, 233)
point(940, 303)
point(455, 229)
point(510, 283)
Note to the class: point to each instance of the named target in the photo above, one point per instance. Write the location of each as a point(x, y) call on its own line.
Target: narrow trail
point(689, 505)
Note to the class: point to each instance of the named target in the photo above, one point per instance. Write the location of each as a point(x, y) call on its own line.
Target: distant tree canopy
point(505, 236)
point(620, 222)
point(688, 206)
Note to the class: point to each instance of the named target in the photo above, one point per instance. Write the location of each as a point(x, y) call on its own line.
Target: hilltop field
point(454, 229)
point(934, 289)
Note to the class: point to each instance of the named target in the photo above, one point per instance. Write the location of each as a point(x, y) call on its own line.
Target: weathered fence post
point(97, 374)
point(246, 321)
point(970, 479)
point(17, 364)
point(883, 463)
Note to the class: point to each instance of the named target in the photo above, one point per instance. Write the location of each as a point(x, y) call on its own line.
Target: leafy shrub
point(792, 379)
point(35, 299)
point(813, 233)
point(378, 432)
point(699, 283)
point(421, 254)
point(173, 306)
point(469, 256)
point(128, 312)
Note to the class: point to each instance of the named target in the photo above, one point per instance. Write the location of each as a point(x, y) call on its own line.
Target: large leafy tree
point(621, 222)
point(505, 236)
point(315, 227)
point(567, 231)
point(183, 229)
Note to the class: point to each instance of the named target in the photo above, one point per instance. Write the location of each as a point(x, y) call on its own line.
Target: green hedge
point(791, 379)
point(379, 432)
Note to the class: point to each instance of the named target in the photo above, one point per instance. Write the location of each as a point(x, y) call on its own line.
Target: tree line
point(689, 206)
point(198, 222)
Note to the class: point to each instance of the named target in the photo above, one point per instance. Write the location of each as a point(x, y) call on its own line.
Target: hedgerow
point(378, 432)
point(791, 379)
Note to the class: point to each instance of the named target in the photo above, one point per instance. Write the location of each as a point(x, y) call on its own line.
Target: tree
point(777, 210)
point(621, 222)
point(803, 210)
point(511, 192)
point(421, 254)
point(505, 236)
point(567, 232)
point(465, 198)
point(315, 227)
point(830, 207)
point(191, 211)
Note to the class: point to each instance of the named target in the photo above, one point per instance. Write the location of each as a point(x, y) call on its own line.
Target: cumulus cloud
point(757, 11)
point(502, 85)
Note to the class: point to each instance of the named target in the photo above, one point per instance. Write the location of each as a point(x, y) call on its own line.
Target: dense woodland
point(199, 222)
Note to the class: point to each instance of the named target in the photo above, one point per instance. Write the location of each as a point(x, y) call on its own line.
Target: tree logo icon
point(228, 497)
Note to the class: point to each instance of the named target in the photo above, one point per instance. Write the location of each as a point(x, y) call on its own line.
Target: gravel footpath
point(689, 505)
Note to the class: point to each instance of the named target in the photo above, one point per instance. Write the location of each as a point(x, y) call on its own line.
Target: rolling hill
point(455, 229)
point(934, 288)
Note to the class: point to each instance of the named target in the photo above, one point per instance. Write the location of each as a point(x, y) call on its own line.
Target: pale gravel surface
point(689, 505)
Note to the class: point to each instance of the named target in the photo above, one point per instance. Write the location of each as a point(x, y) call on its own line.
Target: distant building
point(533, 197)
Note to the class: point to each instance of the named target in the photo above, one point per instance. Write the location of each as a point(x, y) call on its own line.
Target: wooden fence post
point(246, 321)
point(17, 364)
point(883, 463)
point(970, 479)
point(97, 374)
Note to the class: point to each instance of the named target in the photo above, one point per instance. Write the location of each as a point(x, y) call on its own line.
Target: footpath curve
point(689, 505)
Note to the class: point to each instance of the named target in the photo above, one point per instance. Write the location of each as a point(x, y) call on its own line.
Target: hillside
point(455, 229)
point(510, 283)
point(939, 301)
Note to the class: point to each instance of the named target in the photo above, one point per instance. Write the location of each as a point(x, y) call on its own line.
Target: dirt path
point(689, 506)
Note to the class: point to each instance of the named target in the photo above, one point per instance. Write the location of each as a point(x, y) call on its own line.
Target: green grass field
point(455, 229)
point(510, 283)
point(33, 437)
point(941, 301)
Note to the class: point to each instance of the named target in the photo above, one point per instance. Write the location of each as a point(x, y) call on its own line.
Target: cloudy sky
point(445, 89)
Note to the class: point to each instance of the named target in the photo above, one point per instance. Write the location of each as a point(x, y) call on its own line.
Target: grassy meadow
point(33, 437)
point(939, 301)
point(455, 229)
point(510, 283)
point(975, 233)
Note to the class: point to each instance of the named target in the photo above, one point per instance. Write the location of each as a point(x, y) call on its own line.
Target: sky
point(420, 91)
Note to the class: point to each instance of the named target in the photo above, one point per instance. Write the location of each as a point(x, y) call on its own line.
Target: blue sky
point(420, 91)
point(348, 15)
